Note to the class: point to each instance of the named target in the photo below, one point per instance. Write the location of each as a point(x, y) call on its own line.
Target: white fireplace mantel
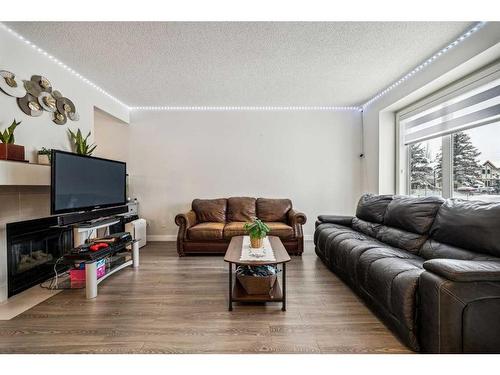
point(13, 173)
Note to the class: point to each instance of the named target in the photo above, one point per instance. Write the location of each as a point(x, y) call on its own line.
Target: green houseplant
point(257, 230)
point(9, 150)
point(44, 156)
point(82, 147)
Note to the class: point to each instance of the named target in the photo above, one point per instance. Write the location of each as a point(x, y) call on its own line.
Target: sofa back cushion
point(470, 225)
point(372, 207)
point(436, 250)
point(401, 239)
point(366, 227)
point(210, 210)
point(412, 214)
point(273, 209)
point(241, 209)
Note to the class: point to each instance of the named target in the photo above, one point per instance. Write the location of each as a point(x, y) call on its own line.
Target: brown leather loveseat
point(211, 223)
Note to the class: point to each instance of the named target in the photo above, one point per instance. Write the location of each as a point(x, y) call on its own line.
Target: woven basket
point(257, 284)
point(256, 243)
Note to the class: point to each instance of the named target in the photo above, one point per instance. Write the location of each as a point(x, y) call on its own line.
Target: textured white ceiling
point(241, 63)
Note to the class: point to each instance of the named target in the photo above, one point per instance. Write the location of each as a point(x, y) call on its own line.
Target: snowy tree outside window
point(475, 165)
point(423, 178)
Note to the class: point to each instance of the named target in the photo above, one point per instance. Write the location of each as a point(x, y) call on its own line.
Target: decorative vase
point(10, 151)
point(255, 242)
point(43, 159)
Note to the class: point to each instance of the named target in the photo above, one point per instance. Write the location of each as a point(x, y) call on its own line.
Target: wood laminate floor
point(179, 305)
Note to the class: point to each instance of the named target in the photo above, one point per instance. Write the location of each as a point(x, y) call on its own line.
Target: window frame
point(467, 83)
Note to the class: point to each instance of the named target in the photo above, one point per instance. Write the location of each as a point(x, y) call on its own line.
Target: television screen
point(82, 183)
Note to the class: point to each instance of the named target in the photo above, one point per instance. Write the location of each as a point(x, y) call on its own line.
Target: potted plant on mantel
point(257, 230)
point(44, 156)
point(81, 144)
point(9, 150)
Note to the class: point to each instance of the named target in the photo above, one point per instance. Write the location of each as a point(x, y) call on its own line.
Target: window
point(450, 141)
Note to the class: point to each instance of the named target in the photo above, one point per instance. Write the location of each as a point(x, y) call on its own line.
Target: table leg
point(283, 307)
point(230, 286)
point(135, 254)
point(91, 280)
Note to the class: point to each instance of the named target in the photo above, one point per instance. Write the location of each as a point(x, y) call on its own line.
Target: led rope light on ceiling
point(246, 108)
point(62, 65)
point(426, 63)
point(254, 108)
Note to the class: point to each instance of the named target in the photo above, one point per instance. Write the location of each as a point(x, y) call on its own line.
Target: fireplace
point(33, 247)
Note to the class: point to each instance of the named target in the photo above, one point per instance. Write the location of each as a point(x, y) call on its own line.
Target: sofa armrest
point(295, 218)
point(186, 220)
point(458, 316)
point(464, 270)
point(336, 219)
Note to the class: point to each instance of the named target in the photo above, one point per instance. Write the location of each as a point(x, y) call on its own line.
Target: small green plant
point(81, 145)
point(45, 151)
point(8, 135)
point(257, 229)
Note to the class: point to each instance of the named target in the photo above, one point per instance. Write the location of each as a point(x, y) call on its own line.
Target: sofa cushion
point(372, 207)
point(390, 276)
point(206, 231)
point(234, 229)
point(346, 248)
point(273, 210)
point(432, 249)
point(366, 227)
point(412, 214)
point(393, 282)
point(342, 246)
point(281, 230)
point(470, 225)
point(402, 239)
point(241, 209)
point(210, 210)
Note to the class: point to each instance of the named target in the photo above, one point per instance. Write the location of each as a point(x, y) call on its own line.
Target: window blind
point(477, 107)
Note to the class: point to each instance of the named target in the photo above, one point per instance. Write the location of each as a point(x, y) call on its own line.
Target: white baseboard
point(173, 237)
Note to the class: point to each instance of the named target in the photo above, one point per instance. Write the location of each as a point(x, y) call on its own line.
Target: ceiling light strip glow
point(426, 63)
point(246, 108)
point(62, 65)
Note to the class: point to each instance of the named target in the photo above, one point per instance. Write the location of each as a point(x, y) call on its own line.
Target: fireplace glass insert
point(33, 248)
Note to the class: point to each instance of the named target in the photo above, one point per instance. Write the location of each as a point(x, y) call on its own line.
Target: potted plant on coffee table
point(257, 230)
point(9, 150)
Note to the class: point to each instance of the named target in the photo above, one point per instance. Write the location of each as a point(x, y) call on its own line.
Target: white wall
point(111, 136)
point(310, 157)
point(378, 119)
point(25, 202)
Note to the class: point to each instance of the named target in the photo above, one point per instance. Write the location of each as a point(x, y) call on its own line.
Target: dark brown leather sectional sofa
point(211, 223)
point(430, 268)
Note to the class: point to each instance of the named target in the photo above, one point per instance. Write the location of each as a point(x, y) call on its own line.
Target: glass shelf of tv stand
point(91, 281)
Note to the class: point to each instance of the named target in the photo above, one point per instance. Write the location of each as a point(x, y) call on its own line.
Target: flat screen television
point(84, 183)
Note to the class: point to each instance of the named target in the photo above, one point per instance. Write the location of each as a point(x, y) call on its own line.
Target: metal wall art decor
point(37, 95)
point(11, 85)
point(29, 105)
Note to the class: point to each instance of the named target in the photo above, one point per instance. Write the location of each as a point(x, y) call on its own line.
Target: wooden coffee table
point(237, 292)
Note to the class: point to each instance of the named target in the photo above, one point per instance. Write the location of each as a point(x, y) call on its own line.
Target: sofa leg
point(180, 250)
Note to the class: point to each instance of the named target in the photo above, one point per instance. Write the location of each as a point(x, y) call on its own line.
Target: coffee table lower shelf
point(240, 295)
